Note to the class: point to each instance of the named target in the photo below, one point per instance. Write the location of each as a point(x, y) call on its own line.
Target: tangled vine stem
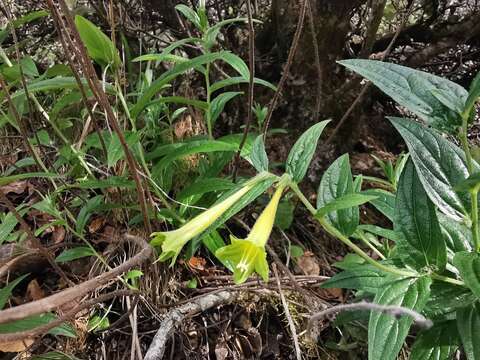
point(396, 311)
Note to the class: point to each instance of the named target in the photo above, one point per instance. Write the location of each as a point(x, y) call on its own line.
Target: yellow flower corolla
point(172, 242)
point(248, 255)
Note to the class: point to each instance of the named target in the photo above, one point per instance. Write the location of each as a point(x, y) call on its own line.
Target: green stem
point(209, 102)
point(334, 232)
point(474, 193)
point(447, 279)
point(474, 201)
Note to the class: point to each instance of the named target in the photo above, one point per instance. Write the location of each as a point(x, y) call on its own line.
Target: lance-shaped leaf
point(386, 333)
point(438, 343)
point(303, 150)
point(468, 263)
point(468, 323)
point(422, 243)
point(337, 182)
point(440, 166)
point(414, 90)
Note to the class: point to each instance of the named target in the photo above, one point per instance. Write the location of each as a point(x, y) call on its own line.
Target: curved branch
point(54, 301)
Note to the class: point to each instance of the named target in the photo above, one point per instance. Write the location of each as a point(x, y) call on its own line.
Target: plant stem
point(209, 102)
point(473, 193)
point(334, 232)
point(474, 200)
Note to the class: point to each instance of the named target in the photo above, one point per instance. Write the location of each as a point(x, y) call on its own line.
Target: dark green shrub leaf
point(440, 165)
point(422, 243)
point(438, 343)
point(446, 299)
point(468, 323)
point(100, 48)
point(258, 155)
point(386, 334)
point(337, 182)
point(413, 89)
point(303, 150)
point(359, 277)
point(468, 263)
point(457, 236)
point(74, 254)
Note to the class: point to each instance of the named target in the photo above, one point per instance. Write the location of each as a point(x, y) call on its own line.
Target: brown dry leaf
point(34, 291)
point(308, 264)
point(96, 224)
point(17, 187)
point(197, 263)
point(332, 294)
point(58, 234)
point(16, 346)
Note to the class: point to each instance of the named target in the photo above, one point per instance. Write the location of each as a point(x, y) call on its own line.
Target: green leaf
point(446, 299)
point(194, 147)
point(473, 94)
point(115, 148)
point(284, 215)
point(437, 343)
point(240, 80)
point(384, 202)
point(413, 89)
point(344, 202)
point(190, 15)
point(468, 264)
point(6, 291)
point(74, 254)
point(337, 181)
point(457, 236)
point(5, 180)
point(100, 48)
point(91, 205)
point(470, 183)
point(296, 251)
point(422, 243)
point(53, 355)
point(386, 334)
point(171, 74)
point(109, 182)
point(166, 51)
point(9, 222)
point(218, 104)
point(303, 150)
point(203, 186)
point(32, 322)
point(25, 19)
point(258, 156)
point(379, 231)
point(440, 165)
point(359, 277)
point(468, 323)
point(237, 63)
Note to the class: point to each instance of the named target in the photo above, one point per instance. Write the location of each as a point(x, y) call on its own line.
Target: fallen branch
point(55, 301)
point(42, 330)
point(175, 316)
point(396, 311)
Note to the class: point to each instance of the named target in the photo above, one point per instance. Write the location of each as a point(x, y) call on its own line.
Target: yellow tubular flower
point(248, 255)
point(172, 242)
